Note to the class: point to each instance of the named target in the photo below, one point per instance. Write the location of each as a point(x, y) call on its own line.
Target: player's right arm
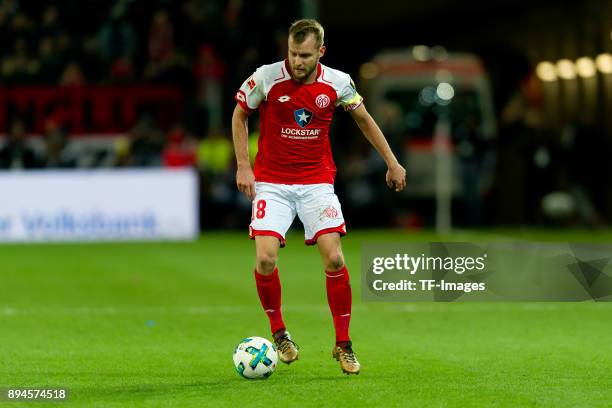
point(248, 98)
point(245, 179)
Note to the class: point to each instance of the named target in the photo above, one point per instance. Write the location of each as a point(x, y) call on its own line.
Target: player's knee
point(266, 262)
point(333, 260)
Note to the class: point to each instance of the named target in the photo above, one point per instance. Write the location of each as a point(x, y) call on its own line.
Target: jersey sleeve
point(348, 97)
point(251, 93)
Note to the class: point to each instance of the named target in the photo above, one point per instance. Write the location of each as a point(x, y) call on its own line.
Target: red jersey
point(293, 146)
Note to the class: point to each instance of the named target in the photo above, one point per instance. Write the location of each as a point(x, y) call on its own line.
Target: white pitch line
point(396, 307)
point(130, 310)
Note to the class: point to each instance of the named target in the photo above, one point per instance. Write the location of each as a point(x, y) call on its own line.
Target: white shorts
point(275, 207)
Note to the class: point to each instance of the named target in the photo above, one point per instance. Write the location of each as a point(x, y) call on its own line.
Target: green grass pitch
point(155, 324)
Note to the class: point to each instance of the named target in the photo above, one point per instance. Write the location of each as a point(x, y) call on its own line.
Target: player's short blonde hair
point(300, 29)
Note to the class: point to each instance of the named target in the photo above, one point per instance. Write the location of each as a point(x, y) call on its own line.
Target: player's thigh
point(272, 212)
point(319, 210)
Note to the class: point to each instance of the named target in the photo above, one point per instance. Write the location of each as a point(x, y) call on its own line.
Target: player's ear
point(322, 51)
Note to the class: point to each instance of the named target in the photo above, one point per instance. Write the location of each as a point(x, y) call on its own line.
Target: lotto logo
point(240, 97)
point(251, 83)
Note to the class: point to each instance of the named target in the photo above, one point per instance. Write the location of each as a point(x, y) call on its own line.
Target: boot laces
point(285, 343)
point(349, 355)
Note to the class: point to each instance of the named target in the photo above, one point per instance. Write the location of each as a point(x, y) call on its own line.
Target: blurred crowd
point(199, 45)
point(550, 175)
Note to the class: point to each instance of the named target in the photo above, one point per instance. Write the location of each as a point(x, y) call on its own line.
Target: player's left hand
point(396, 177)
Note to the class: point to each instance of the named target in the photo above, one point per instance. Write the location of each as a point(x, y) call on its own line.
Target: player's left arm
point(396, 174)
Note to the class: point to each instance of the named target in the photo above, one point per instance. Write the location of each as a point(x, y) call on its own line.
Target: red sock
point(339, 298)
point(269, 290)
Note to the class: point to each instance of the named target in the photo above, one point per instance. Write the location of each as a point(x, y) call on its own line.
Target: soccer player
point(294, 174)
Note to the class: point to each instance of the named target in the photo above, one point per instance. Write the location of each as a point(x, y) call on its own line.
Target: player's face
point(304, 57)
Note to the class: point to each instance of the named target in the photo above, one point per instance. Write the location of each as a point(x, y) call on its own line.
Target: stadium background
point(133, 84)
point(555, 130)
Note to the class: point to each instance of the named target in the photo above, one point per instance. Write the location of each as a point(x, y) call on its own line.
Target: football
point(255, 358)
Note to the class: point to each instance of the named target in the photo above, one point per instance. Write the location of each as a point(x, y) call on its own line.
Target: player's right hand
point(245, 180)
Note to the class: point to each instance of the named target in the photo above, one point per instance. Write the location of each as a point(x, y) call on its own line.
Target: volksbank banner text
point(138, 204)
